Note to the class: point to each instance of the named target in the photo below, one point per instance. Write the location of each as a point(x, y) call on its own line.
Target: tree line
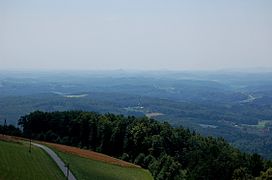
point(169, 153)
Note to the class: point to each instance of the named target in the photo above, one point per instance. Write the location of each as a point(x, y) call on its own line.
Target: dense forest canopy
point(169, 153)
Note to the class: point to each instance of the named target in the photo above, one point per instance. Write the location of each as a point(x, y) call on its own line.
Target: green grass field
point(17, 163)
point(85, 169)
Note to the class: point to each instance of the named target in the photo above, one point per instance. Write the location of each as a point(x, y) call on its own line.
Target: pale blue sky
point(142, 34)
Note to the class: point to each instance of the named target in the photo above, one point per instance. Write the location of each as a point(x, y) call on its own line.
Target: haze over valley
point(234, 105)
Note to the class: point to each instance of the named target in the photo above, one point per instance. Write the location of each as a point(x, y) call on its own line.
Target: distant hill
point(226, 104)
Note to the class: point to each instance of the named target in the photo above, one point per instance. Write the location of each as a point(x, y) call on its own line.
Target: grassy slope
point(84, 168)
point(17, 163)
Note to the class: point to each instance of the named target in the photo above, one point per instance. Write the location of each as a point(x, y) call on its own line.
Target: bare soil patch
point(10, 138)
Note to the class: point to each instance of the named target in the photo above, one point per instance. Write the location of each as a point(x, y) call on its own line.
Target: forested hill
point(169, 153)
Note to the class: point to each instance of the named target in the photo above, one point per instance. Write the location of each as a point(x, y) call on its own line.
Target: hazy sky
point(140, 34)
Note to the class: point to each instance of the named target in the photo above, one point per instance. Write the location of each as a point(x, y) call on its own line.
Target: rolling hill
point(18, 163)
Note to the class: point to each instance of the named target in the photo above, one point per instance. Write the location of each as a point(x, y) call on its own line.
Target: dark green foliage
point(125, 157)
point(166, 168)
point(256, 164)
point(10, 130)
point(241, 174)
point(169, 153)
point(266, 175)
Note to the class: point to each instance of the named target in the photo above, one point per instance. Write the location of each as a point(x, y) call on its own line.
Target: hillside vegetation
point(169, 153)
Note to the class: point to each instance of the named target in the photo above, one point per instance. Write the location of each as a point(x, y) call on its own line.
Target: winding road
point(56, 158)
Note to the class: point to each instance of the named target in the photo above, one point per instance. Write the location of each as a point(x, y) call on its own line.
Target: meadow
point(18, 163)
point(86, 168)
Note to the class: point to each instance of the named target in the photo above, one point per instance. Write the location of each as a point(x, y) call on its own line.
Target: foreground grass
point(84, 169)
point(17, 163)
